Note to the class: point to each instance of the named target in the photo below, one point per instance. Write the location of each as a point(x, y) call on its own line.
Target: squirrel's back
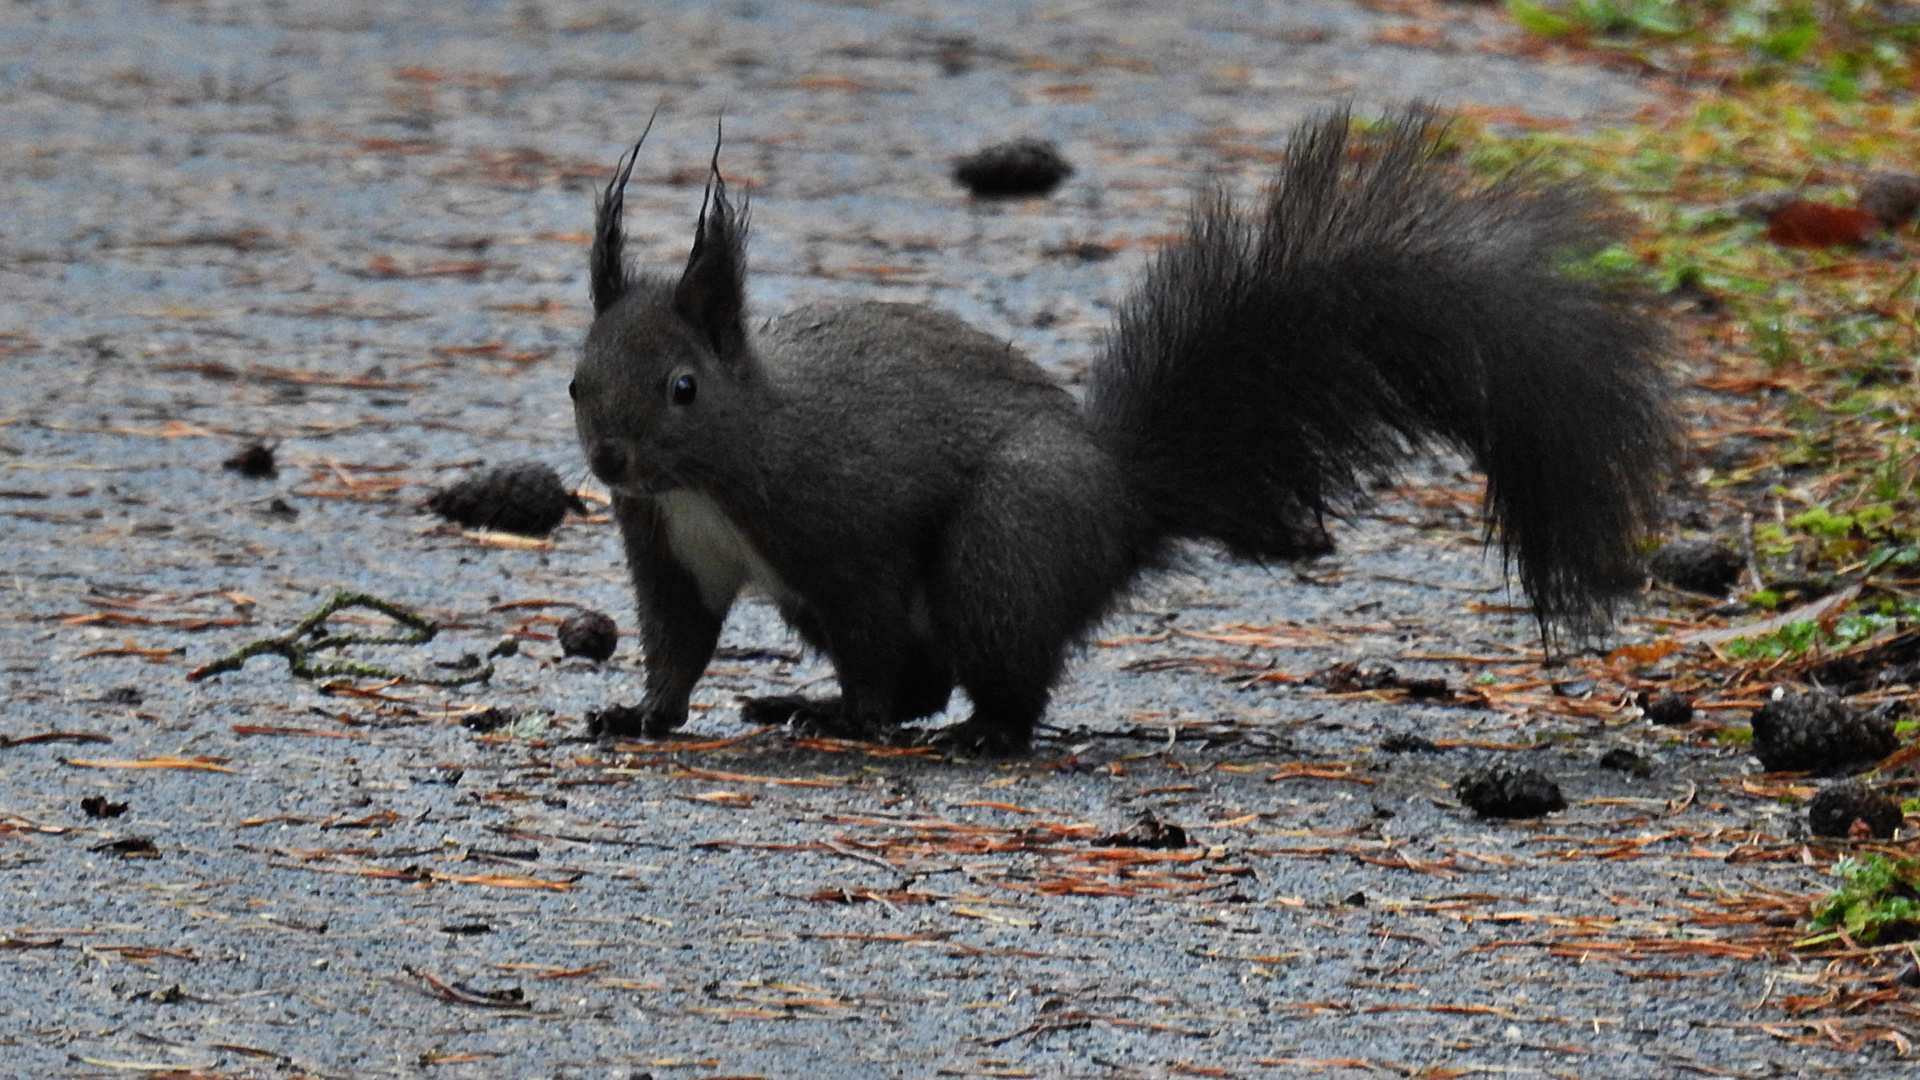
point(921, 400)
point(904, 350)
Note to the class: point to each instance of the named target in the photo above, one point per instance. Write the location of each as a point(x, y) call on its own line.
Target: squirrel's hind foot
point(981, 738)
point(804, 716)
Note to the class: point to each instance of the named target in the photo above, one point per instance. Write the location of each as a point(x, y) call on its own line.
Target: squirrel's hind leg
point(920, 683)
point(1007, 706)
point(922, 686)
point(1048, 542)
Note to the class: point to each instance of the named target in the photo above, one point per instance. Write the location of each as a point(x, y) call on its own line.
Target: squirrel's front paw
point(630, 721)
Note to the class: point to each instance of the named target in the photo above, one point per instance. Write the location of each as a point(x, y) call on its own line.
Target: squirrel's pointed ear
point(606, 262)
point(712, 294)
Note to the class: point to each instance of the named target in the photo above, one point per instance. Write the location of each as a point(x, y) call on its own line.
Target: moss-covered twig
point(309, 636)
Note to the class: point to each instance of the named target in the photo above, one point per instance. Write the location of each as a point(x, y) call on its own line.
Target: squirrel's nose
point(609, 461)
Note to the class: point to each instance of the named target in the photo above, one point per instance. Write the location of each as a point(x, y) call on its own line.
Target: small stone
point(1024, 167)
point(1840, 808)
point(1502, 791)
point(590, 634)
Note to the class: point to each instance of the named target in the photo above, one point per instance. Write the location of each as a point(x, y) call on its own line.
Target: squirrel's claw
point(980, 738)
point(646, 721)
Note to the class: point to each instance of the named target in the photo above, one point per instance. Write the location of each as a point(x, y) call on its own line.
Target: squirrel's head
point(659, 390)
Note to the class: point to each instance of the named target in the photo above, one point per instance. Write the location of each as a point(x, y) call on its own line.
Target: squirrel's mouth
point(617, 465)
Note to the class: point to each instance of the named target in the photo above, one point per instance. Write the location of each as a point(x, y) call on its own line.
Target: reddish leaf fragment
point(1803, 224)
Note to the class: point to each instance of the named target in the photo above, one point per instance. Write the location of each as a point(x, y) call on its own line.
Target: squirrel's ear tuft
point(712, 291)
point(606, 263)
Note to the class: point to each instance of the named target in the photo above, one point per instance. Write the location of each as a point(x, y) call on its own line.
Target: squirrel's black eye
point(573, 389)
point(683, 390)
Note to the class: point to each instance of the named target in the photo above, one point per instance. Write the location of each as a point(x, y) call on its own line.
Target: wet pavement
point(356, 232)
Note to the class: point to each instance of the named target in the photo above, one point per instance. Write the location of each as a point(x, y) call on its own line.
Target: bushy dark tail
point(1273, 362)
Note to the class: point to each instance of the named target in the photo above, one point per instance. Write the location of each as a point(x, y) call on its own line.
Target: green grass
point(1810, 364)
point(1878, 897)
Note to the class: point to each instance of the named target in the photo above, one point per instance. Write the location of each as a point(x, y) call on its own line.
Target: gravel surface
point(356, 232)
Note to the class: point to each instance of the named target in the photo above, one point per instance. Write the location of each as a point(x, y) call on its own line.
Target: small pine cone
point(524, 497)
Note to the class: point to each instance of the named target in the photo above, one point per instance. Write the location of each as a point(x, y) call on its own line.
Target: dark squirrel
point(929, 510)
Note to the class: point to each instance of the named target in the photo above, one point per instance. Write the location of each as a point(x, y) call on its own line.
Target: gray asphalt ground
point(357, 231)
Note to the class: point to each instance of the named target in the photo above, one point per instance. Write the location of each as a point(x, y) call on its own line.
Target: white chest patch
point(715, 551)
